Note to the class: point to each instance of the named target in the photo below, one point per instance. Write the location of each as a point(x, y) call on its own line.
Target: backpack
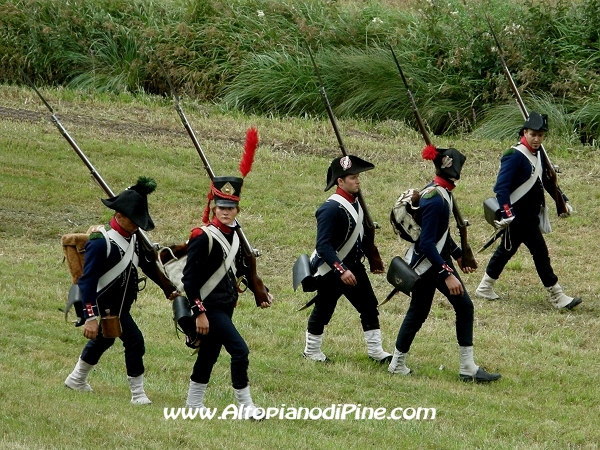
point(73, 245)
point(405, 213)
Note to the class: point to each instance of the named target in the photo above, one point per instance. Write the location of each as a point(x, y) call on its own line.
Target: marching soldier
point(109, 286)
point(212, 279)
point(431, 257)
point(520, 193)
point(337, 261)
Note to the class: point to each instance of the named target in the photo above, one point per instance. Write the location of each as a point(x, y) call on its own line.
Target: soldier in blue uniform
point(212, 278)
point(109, 286)
point(520, 193)
point(431, 257)
point(337, 261)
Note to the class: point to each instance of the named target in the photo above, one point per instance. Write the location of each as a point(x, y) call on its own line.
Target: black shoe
point(574, 303)
point(480, 377)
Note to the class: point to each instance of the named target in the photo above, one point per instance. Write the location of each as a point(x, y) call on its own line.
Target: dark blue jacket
point(515, 169)
point(434, 221)
point(201, 265)
point(334, 227)
point(97, 264)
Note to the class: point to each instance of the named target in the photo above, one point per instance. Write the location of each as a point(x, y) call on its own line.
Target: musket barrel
point(557, 195)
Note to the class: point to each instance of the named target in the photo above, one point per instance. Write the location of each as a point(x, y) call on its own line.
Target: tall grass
point(247, 52)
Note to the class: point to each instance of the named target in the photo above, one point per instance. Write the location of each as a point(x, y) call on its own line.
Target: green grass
point(548, 359)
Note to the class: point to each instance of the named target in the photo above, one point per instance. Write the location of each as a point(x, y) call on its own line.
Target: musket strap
point(358, 230)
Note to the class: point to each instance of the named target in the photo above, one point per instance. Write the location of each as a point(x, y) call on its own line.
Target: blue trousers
point(222, 333)
point(420, 305)
point(133, 342)
point(361, 296)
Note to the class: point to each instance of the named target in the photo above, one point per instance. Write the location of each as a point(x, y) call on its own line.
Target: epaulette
point(431, 193)
point(95, 235)
point(510, 151)
point(195, 233)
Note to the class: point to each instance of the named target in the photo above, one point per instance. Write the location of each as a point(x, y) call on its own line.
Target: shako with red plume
point(226, 191)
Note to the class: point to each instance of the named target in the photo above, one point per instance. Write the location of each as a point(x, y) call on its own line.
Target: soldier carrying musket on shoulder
point(431, 257)
point(214, 274)
point(520, 193)
point(337, 261)
point(109, 286)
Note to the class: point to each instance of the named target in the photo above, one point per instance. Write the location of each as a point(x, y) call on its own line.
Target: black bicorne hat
point(448, 161)
point(345, 165)
point(133, 203)
point(536, 122)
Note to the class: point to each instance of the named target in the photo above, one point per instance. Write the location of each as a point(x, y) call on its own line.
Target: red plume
point(249, 150)
point(429, 152)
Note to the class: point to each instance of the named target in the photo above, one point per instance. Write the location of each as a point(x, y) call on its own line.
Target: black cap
point(133, 203)
point(536, 122)
point(227, 191)
point(345, 165)
point(448, 162)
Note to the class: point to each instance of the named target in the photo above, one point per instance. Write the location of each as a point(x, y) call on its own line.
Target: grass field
point(548, 359)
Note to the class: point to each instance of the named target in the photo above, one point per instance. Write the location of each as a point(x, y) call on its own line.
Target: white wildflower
point(377, 20)
point(260, 13)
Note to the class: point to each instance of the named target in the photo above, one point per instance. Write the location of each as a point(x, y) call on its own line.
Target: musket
point(256, 285)
point(493, 239)
point(165, 284)
point(371, 250)
point(468, 259)
point(556, 194)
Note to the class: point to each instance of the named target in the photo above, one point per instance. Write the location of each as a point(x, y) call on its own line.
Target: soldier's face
point(350, 183)
point(226, 215)
point(126, 223)
point(534, 138)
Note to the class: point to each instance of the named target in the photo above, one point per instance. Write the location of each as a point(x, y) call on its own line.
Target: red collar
point(526, 144)
point(221, 226)
point(118, 228)
point(447, 184)
point(347, 195)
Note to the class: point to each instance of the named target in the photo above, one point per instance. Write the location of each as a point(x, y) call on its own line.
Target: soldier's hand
point(570, 211)
point(454, 285)
point(503, 223)
point(202, 324)
point(90, 329)
point(465, 269)
point(269, 303)
point(348, 278)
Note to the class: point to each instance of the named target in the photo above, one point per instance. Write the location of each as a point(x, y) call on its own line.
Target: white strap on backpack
point(173, 268)
point(424, 264)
